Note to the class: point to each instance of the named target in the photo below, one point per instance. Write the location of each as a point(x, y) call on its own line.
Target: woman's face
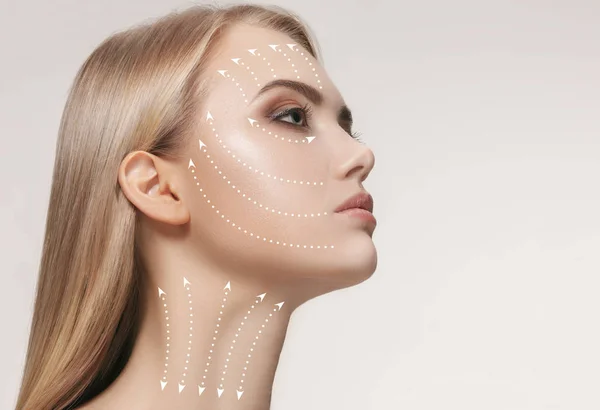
point(273, 159)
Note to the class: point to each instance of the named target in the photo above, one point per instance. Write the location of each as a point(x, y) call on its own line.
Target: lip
point(361, 214)
point(359, 206)
point(362, 200)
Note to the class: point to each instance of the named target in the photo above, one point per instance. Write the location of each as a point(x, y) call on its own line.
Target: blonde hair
point(140, 89)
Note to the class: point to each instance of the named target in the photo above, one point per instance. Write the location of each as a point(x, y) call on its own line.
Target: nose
point(358, 161)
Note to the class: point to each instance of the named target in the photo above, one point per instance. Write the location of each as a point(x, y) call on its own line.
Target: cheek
point(274, 161)
point(260, 203)
point(284, 175)
point(263, 180)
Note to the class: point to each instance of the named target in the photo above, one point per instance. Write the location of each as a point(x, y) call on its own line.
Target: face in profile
point(273, 159)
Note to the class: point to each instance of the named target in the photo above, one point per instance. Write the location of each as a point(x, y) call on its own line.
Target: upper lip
point(363, 200)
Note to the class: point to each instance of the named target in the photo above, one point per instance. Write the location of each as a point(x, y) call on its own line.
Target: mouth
point(359, 206)
point(360, 201)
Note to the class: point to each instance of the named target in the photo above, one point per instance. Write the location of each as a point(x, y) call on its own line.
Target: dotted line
point(241, 387)
point(237, 84)
point(187, 360)
point(274, 47)
point(258, 171)
point(257, 54)
point(254, 124)
point(241, 63)
point(260, 205)
point(310, 64)
point(233, 345)
point(258, 237)
point(212, 346)
point(164, 378)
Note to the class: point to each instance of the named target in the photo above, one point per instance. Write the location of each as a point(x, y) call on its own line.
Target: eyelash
point(307, 111)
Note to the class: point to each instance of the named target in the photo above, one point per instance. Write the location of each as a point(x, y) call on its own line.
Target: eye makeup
point(303, 114)
point(288, 93)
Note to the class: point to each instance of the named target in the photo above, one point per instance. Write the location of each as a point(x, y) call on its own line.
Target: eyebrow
point(311, 93)
point(306, 90)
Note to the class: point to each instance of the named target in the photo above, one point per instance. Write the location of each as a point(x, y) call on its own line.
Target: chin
point(353, 261)
point(357, 260)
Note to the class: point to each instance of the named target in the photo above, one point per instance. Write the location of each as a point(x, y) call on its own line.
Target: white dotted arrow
point(201, 387)
point(254, 169)
point(288, 58)
point(256, 53)
point(186, 285)
point(240, 390)
point(192, 166)
point(237, 84)
point(306, 60)
point(239, 330)
point(163, 381)
point(306, 140)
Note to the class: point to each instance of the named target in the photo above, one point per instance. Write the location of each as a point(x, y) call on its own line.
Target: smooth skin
point(182, 235)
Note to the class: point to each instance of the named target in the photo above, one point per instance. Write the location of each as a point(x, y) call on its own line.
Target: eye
point(297, 116)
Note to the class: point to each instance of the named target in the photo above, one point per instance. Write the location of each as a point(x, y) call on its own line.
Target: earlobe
point(144, 180)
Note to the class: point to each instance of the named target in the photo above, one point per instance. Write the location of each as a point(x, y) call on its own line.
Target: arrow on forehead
point(235, 60)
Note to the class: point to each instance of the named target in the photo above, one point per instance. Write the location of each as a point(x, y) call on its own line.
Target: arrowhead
point(273, 46)
point(252, 51)
point(222, 72)
point(239, 394)
point(280, 304)
point(291, 46)
point(181, 387)
point(235, 60)
point(310, 139)
point(228, 286)
point(162, 385)
point(261, 296)
point(219, 392)
point(201, 145)
point(191, 164)
point(160, 291)
point(209, 116)
point(185, 281)
point(200, 390)
point(251, 121)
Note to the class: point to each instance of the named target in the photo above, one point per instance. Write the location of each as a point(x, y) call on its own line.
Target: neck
point(205, 341)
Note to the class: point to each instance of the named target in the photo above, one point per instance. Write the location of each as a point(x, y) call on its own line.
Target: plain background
point(484, 117)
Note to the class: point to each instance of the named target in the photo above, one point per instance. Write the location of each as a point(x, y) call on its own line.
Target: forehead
point(243, 37)
point(254, 56)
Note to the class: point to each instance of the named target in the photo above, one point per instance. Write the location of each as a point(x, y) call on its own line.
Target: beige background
point(484, 118)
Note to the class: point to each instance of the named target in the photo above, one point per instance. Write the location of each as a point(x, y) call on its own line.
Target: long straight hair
point(140, 89)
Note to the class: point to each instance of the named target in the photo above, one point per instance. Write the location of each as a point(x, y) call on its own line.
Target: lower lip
point(361, 214)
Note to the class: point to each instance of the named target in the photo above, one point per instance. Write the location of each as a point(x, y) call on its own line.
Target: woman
point(207, 182)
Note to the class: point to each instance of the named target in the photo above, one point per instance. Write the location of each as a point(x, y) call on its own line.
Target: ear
point(145, 181)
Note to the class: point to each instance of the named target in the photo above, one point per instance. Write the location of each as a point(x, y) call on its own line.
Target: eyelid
point(306, 110)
